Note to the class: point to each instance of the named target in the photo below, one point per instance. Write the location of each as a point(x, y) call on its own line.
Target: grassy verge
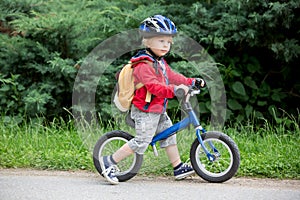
point(52, 146)
point(268, 151)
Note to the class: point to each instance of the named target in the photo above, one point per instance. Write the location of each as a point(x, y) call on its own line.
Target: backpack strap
point(140, 85)
point(148, 95)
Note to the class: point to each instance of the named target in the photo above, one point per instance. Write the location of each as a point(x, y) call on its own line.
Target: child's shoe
point(183, 171)
point(109, 170)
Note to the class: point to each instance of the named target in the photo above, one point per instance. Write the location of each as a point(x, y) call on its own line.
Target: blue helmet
point(157, 25)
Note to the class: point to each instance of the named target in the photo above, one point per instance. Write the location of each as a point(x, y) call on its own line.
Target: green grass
point(39, 146)
point(266, 150)
point(268, 153)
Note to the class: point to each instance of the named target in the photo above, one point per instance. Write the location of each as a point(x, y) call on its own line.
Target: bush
point(44, 43)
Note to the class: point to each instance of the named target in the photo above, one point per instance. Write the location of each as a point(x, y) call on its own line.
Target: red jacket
point(156, 83)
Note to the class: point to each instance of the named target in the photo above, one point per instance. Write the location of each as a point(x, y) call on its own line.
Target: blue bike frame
point(190, 119)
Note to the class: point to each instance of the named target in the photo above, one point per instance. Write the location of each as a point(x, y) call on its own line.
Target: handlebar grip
point(180, 93)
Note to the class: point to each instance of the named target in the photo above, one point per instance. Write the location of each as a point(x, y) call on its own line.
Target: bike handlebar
point(180, 93)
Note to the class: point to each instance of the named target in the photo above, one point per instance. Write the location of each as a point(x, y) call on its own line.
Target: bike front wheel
point(107, 145)
point(225, 153)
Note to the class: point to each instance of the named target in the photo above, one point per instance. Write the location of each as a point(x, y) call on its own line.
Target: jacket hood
point(142, 55)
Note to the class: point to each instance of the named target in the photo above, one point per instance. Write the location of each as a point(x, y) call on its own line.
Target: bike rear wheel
point(227, 159)
point(108, 144)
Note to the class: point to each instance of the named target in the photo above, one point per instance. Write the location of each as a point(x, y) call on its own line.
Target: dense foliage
point(42, 44)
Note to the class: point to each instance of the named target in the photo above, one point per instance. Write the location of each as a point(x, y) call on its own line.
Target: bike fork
point(210, 157)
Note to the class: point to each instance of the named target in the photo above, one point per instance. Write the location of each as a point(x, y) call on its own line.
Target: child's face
point(160, 45)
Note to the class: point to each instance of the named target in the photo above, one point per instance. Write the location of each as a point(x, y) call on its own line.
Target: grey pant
point(146, 126)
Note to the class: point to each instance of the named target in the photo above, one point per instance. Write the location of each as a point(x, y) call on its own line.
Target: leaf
point(276, 97)
point(238, 88)
point(248, 110)
point(240, 118)
point(262, 103)
point(234, 105)
point(253, 67)
point(264, 90)
point(229, 114)
point(4, 88)
point(250, 83)
point(235, 73)
point(258, 114)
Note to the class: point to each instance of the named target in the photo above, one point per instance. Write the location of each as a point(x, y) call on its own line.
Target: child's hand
point(199, 83)
point(183, 87)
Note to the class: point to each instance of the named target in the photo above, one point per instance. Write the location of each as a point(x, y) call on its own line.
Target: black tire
point(108, 144)
point(226, 164)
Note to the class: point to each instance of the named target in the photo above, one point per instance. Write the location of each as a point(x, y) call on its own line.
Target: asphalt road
point(56, 185)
